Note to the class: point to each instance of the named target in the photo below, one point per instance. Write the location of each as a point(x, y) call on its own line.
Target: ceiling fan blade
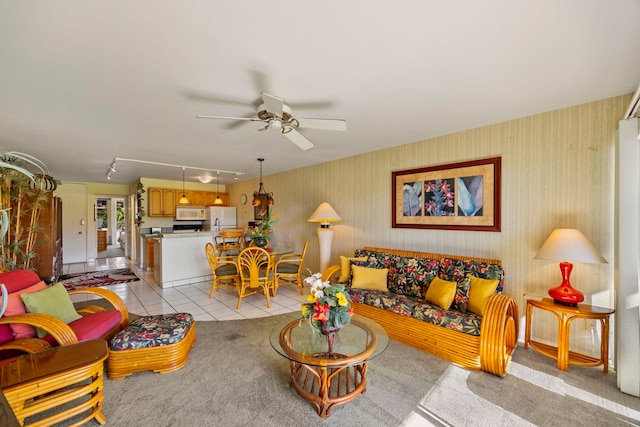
point(248, 137)
point(324, 124)
point(298, 139)
point(218, 99)
point(273, 103)
point(249, 119)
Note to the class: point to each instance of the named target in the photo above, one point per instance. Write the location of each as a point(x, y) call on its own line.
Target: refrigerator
point(216, 217)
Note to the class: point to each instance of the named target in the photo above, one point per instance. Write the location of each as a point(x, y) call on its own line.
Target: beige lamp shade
point(569, 244)
point(324, 214)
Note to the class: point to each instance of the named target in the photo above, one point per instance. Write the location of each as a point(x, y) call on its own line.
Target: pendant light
point(183, 200)
point(261, 194)
point(218, 200)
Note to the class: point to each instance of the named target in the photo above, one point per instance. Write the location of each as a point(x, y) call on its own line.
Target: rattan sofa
point(497, 330)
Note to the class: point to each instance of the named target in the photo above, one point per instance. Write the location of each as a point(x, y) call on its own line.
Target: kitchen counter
point(179, 258)
point(183, 234)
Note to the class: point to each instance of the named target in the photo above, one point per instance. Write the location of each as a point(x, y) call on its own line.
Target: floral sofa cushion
point(407, 276)
point(153, 331)
point(412, 276)
point(469, 322)
point(409, 279)
point(457, 269)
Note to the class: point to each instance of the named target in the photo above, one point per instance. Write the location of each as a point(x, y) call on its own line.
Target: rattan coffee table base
point(328, 387)
point(162, 359)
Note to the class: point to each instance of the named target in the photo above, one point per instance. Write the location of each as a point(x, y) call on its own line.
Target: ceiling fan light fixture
point(275, 125)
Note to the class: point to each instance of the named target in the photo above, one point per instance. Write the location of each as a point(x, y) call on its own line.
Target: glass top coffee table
point(329, 378)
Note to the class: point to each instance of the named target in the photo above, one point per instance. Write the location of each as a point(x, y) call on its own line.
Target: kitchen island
point(179, 258)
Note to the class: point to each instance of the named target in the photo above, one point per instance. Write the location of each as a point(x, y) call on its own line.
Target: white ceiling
point(83, 82)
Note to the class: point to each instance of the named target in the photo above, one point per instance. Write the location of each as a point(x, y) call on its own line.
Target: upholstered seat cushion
point(153, 331)
point(226, 270)
point(92, 326)
point(287, 268)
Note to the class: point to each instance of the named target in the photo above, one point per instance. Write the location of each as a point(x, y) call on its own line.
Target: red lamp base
point(565, 294)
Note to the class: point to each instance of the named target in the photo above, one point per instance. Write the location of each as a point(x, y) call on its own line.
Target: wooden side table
point(566, 315)
point(38, 382)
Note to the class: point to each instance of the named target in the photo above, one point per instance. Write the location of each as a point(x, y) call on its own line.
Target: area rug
point(235, 378)
point(90, 279)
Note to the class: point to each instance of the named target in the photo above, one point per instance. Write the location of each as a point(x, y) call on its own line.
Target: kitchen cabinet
point(149, 252)
point(102, 240)
point(210, 198)
point(162, 201)
point(197, 198)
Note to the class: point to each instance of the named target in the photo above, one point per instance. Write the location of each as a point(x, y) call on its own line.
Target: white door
point(74, 222)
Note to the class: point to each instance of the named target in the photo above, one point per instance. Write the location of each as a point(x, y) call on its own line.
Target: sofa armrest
point(26, 345)
point(113, 298)
point(498, 334)
point(59, 330)
point(330, 271)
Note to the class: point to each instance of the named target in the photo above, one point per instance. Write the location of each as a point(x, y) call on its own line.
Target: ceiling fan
point(277, 116)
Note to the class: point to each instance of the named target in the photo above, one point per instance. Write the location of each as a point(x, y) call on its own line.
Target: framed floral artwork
point(456, 196)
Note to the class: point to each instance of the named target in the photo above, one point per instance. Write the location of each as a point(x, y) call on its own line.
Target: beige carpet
point(235, 378)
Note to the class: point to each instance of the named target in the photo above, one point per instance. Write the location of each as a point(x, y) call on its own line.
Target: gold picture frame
point(455, 196)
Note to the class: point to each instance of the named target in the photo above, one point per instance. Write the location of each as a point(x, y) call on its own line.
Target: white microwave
point(189, 213)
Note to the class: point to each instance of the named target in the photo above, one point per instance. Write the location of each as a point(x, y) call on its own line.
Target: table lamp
point(325, 215)
point(568, 245)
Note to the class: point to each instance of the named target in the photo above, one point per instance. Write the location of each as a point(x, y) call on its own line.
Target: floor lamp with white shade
point(325, 215)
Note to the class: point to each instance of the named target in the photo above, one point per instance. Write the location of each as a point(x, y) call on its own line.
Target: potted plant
point(260, 235)
point(22, 197)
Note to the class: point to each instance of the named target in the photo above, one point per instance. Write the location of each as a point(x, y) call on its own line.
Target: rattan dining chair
point(288, 270)
point(223, 268)
point(256, 273)
point(230, 239)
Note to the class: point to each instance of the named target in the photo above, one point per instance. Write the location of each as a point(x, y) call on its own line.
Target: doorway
point(110, 227)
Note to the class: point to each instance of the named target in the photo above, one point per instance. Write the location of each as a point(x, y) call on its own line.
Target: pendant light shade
point(183, 200)
point(261, 194)
point(218, 200)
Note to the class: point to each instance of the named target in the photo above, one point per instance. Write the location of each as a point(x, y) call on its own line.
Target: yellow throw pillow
point(441, 293)
point(479, 293)
point(345, 264)
point(370, 278)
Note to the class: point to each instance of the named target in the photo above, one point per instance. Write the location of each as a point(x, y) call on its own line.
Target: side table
point(566, 315)
point(41, 381)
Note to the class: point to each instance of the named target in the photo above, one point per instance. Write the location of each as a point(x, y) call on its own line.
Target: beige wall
point(557, 171)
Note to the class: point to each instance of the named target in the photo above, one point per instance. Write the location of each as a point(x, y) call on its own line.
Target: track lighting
point(112, 167)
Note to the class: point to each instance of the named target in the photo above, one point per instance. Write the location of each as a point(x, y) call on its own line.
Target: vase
point(260, 241)
point(330, 332)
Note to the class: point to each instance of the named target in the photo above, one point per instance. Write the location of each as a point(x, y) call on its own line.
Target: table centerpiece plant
point(260, 235)
point(328, 306)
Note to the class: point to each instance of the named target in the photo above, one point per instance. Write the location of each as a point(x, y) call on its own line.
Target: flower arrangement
point(264, 226)
point(328, 306)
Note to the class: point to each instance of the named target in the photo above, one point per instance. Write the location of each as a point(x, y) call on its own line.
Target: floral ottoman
point(158, 343)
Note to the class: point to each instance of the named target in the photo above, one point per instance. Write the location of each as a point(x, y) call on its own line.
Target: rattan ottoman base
point(162, 359)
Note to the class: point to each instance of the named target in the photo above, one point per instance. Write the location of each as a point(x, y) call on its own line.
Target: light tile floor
point(145, 297)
